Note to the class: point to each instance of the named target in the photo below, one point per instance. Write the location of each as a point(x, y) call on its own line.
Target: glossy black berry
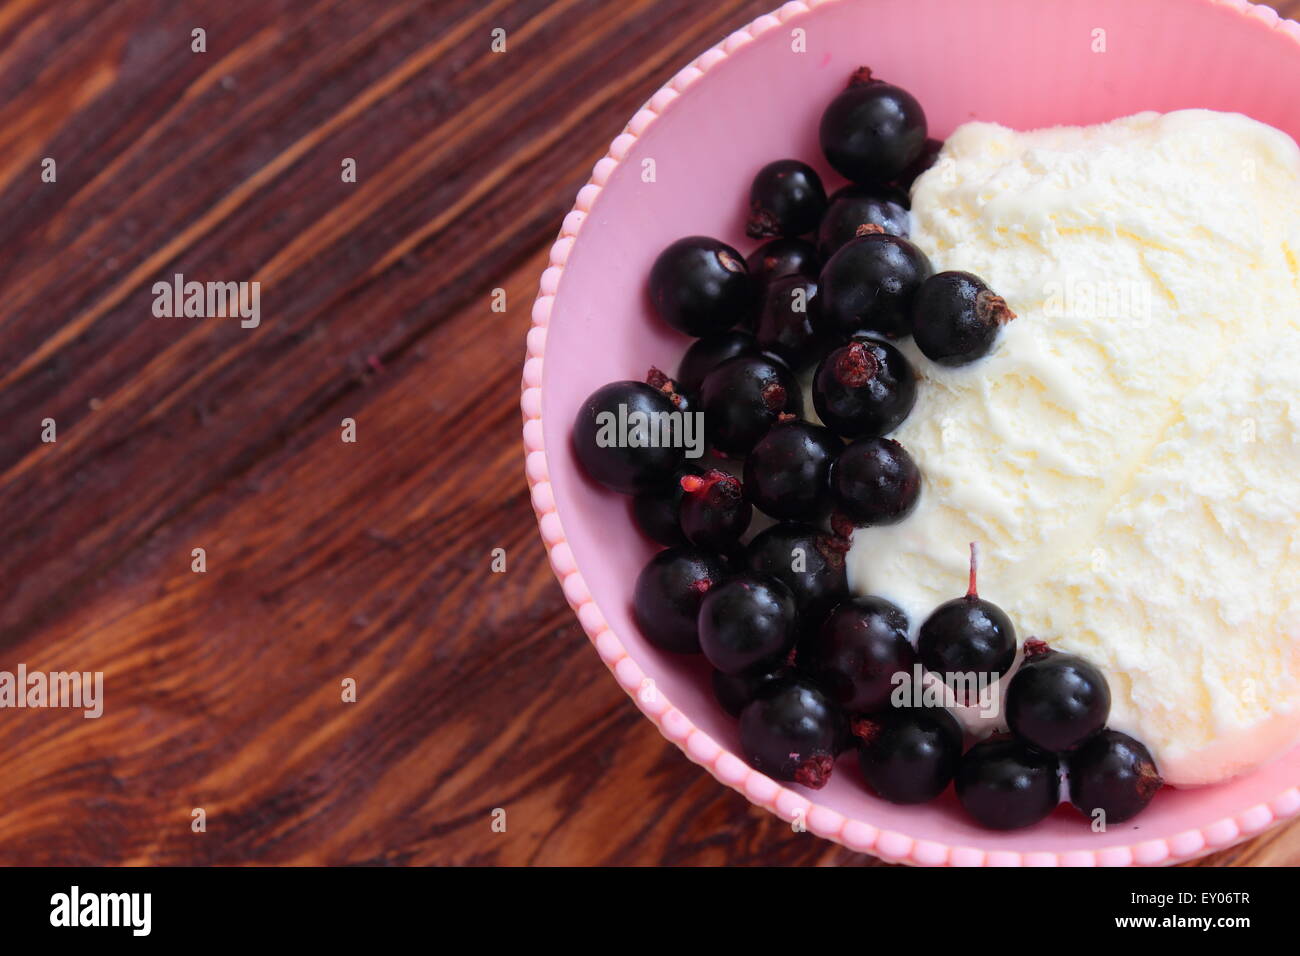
point(790, 732)
point(748, 623)
point(734, 691)
point(706, 354)
point(1056, 701)
point(1005, 784)
point(875, 481)
point(668, 593)
point(928, 157)
point(787, 473)
point(864, 389)
point(908, 755)
point(956, 318)
point(701, 286)
point(787, 322)
point(655, 512)
point(853, 207)
point(809, 561)
point(1113, 773)
point(783, 257)
point(786, 199)
point(713, 512)
point(616, 438)
point(861, 646)
point(967, 635)
point(742, 398)
point(872, 131)
point(869, 285)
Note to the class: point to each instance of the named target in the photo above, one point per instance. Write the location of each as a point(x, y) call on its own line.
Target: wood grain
point(325, 560)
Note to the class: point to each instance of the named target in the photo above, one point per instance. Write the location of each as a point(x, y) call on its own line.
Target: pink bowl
point(752, 99)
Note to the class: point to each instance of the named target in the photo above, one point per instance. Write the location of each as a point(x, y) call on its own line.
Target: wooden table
point(325, 560)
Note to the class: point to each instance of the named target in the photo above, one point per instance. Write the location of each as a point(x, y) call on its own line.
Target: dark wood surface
point(325, 560)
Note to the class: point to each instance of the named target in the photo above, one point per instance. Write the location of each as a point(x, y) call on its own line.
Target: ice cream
point(1128, 456)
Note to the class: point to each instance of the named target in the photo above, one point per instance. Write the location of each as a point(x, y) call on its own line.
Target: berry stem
point(971, 591)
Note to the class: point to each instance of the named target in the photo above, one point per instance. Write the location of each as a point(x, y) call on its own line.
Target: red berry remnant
point(787, 417)
point(1036, 648)
point(657, 379)
point(762, 223)
point(701, 585)
point(862, 75)
point(992, 308)
point(833, 547)
point(723, 485)
point(774, 396)
point(869, 229)
point(1149, 780)
point(815, 771)
point(841, 525)
point(856, 366)
point(865, 728)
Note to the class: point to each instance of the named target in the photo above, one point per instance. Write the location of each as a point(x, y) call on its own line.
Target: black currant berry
point(869, 285)
point(790, 732)
point(787, 321)
point(1005, 784)
point(875, 481)
point(1056, 701)
point(908, 755)
point(967, 635)
point(809, 561)
point(956, 318)
point(668, 593)
point(713, 512)
point(1113, 773)
point(856, 654)
point(853, 207)
point(787, 472)
point(786, 199)
point(748, 623)
point(701, 286)
point(872, 131)
point(742, 398)
point(614, 437)
point(864, 389)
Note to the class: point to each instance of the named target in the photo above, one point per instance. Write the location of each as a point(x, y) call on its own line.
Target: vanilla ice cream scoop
point(1128, 454)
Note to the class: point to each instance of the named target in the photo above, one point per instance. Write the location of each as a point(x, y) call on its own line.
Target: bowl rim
point(698, 746)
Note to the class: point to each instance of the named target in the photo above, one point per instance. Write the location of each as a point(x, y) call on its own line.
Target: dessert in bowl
point(759, 97)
